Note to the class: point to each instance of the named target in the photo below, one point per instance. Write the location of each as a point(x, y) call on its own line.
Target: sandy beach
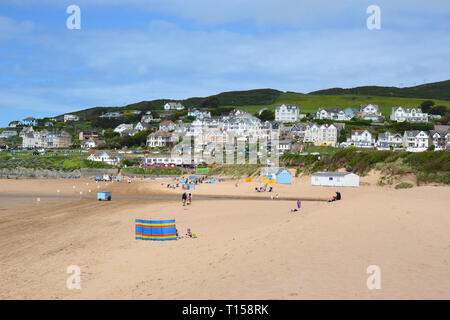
point(249, 247)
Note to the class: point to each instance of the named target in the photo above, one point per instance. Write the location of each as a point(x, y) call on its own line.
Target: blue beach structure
point(104, 195)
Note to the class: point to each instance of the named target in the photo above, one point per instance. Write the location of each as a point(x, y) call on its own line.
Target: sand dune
point(246, 249)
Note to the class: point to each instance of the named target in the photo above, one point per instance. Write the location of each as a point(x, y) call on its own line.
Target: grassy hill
point(436, 90)
point(309, 103)
point(253, 100)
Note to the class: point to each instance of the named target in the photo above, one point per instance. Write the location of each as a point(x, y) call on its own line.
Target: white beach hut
point(335, 179)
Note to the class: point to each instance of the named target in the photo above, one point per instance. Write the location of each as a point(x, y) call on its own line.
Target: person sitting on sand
point(333, 199)
point(338, 195)
point(270, 189)
point(189, 233)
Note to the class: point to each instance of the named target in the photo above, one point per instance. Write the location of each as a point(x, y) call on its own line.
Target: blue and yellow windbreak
point(157, 230)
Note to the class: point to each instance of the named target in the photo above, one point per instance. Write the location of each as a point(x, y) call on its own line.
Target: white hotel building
point(287, 113)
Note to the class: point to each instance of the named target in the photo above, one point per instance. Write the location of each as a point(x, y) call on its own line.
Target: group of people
point(336, 197)
point(188, 234)
point(263, 189)
point(186, 199)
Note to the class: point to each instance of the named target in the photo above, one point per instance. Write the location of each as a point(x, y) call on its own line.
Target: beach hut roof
point(334, 174)
point(268, 171)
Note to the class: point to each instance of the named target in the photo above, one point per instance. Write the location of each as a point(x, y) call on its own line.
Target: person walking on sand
point(184, 198)
point(299, 204)
point(189, 199)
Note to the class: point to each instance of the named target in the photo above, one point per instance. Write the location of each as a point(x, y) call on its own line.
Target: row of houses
point(45, 139)
point(412, 140)
point(372, 112)
point(30, 121)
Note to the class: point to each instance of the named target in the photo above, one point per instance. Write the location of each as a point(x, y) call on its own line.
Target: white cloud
point(61, 71)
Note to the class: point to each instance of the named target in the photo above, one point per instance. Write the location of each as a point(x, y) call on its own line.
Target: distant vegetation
point(435, 90)
point(404, 185)
point(253, 100)
point(51, 162)
point(237, 171)
point(155, 171)
point(427, 166)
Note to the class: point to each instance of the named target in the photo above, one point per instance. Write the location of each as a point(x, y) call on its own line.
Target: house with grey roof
point(400, 114)
point(287, 113)
point(415, 140)
point(331, 114)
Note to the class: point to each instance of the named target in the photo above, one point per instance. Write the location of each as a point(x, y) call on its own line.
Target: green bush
point(403, 185)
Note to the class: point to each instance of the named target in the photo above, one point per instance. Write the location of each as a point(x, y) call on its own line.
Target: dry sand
point(246, 249)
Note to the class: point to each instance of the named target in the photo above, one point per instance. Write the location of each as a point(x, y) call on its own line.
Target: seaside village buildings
point(400, 114)
point(240, 130)
point(323, 135)
point(287, 113)
point(45, 139)
point(361, 139)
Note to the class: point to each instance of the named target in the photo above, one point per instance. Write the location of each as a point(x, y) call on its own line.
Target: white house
point(129, 132)
point(335, 179)
point(386, 140)
point(284, 145)
point(92, 143)
point(415, 140)
point(370, 112)
point(71, 117)
point(142, 126)
point(111, 115)
point(30, 121)
point(162, 139)
point(122, 127)
point(105, 157)
point(14, 124)
point(400, 114)
point(287, 113)
point(440, 139)
point(361, 138)
point(167, 125)
point(8, 134)
point(324, 135)
point(351, 113)
point(173, 106)
point(332, 114)
point(147, 118)
point(199, 114)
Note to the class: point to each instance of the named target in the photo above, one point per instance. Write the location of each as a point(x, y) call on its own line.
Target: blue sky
point(129, 51)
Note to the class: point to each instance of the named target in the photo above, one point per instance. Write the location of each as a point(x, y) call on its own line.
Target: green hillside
point(254, 100)
point(436, 90)
point(309, 103)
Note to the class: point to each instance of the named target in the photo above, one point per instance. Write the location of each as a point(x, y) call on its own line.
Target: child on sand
point(184, 198)
point(189, 233)
point(189, 199)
